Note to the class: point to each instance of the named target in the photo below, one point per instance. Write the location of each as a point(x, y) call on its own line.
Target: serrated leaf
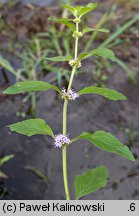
point(60, 58)
point(5, 64)
point(108, 142)
point(64, 21)
point(106, 92)
point(86, 9)
point(70, 8)
point(86, 30)
point(3, 175)
point(30, 86)
point(5, 159)
point(102, 52)
point(32, 127)
point(90, 181)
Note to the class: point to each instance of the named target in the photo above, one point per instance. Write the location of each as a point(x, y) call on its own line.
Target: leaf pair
point(81, 10)
point(33, 86)
point(104, 140)
point(101, 52)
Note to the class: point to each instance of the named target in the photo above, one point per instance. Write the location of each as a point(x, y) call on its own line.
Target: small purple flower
point(60, 140)
point(71, 95)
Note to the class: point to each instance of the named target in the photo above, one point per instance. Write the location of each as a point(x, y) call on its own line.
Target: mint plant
point(92, 180)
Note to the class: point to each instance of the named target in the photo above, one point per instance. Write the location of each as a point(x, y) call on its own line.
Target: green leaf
point(5, 159)
point(106, 92)
point(30, 86)
point(3, 175)
point(86, 9)
point(85, 30)
point(5, 64)
point(70, 8)
point(102, 52)
point(64, 21)
point(90, 181)
point(60, 58)
point(32, 127)
point(78, 8)
point(108, 142)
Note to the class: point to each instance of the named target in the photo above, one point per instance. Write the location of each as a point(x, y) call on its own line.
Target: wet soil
point(88, 113)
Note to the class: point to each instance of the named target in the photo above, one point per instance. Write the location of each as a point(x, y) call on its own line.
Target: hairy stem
point(64, 149)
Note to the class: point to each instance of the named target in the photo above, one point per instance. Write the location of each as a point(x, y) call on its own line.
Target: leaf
point(108, 142)
point(90, 181)
point(60, 58)
point(5, 64)
point(32, 127)
point(5, 159)
point(106, 92)
point(63, 21)
point(87, 9)
point(102, 52)
point(70, 8)
point(38, 173)
point(30, 86)
point(85, 30)
point(3, 175)
point(77, 8)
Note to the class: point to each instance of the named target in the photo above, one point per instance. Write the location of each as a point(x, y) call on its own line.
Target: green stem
point(33, 108)
point(64, 151)
point(71, 78)
point(64, 148)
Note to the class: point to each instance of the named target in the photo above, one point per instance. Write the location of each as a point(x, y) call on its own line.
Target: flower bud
point(77, 20)
point(72, 63)
point(79, 64)
point(77, 34)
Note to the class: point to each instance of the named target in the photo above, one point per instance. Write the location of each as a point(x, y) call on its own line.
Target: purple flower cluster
point(60, 140)
point(71, 95)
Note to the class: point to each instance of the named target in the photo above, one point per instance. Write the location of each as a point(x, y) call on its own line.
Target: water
point(37, 2)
